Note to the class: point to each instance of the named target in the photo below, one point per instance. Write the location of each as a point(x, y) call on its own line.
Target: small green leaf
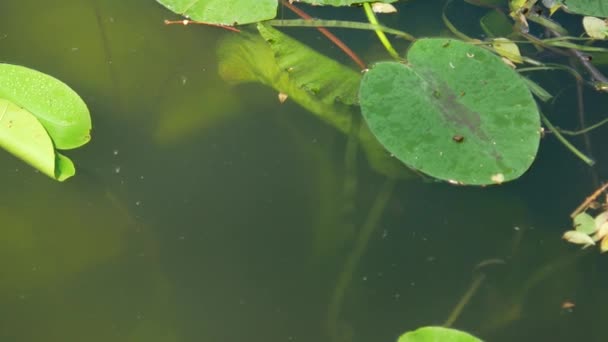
point(22, 135)
point(59, 109)
point(507, 49)
point(584, 223)
point(437, 334)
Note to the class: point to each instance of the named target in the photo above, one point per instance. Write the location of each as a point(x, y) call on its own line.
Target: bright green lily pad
point(224, 12)
point(437, 334)
point(22, 135)
point(59, 109)
point(456, 112)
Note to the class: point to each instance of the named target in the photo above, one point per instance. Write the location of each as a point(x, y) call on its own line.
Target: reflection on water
point(202, 212)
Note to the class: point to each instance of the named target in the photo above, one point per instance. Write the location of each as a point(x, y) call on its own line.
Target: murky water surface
point(206, 212)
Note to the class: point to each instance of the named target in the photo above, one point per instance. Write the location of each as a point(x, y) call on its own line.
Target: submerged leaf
point(248, 58)
point(325, 78)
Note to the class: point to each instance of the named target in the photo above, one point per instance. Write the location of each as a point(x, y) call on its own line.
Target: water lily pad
point(436, 334)
point(596, 8)
point(59, 109)
point(455, 112)
point(225, 12)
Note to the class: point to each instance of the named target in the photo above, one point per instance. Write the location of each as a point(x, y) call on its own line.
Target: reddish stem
point(350, 53)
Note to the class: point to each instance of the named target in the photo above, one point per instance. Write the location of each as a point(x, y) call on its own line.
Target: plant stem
point(566, 143)
point(350, 267)
point(371, 17)
point(354, 25)
point(466, 298)
point(350, 53)
point(583, 131)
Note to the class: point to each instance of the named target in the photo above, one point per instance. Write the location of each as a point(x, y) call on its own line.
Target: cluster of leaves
point(39, 115)
point(588, 230)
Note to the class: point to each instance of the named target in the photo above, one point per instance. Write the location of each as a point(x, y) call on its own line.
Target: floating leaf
point(595, 27)
point(596, 8)
point(453, 89)
point(22, 135)
point(224, 12)
point(578, 238)
point(584, 223)
point(339, 2)
point(59, 109)
point(436, 334)
point(507, 49)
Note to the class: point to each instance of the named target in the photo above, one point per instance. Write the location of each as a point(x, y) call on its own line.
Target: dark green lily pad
point(456, 112)
point(596, 8)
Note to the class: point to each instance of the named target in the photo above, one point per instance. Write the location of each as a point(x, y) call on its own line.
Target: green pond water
point(206, 212)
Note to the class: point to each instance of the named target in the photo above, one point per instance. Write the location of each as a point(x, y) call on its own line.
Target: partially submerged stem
point(371, 17)
point(350, 53)
point(478, 279)
point(566, 143)
point(350, 267)
point(466, 298)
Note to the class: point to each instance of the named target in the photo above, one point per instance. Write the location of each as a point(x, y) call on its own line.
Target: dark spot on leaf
point(458, 138)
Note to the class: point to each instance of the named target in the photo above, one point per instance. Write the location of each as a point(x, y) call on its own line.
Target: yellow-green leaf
point(578, 238)
point(507, 49)
point(595, 27)
point(24, 136)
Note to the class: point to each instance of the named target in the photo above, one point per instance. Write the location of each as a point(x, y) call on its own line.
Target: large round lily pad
point(455, 111)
